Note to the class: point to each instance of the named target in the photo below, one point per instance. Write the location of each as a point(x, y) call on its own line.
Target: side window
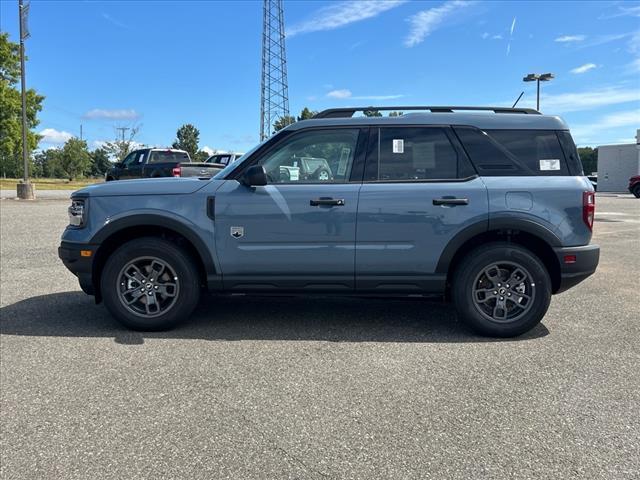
point(130, 159)
point(313, 156)
point(538, 150)
point(414, 153)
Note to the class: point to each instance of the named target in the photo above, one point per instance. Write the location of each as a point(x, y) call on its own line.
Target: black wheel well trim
point(523, 232)
point(158, 222)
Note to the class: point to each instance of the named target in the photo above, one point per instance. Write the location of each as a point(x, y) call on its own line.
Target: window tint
point(538, 150)
point(514, 152)
point(161, 156)
point(416, 154)
point(323, 156)
point(130, 159)
point(570, 152)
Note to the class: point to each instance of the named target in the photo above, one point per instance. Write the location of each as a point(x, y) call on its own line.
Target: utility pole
point(123, 130)
point(80, 131)
point(274, 90)
point(25, 190)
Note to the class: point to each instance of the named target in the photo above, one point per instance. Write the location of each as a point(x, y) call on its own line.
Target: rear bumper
point(80, 266)
point(585, 264)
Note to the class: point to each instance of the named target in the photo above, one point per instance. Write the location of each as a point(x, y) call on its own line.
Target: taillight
point(588, 208)
point(176, 171)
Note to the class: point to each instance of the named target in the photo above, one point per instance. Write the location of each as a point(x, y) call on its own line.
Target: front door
point(419, 192)
point(297, 232)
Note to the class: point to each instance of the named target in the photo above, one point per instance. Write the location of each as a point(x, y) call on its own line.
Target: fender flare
point(157, 220)
point(492, 224)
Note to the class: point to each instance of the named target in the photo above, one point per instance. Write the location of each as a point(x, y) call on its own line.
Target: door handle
point(451, 201)
point(325, 201)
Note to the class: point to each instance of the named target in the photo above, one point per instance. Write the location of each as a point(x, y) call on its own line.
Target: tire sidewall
point(168, 252)
point(479, 259)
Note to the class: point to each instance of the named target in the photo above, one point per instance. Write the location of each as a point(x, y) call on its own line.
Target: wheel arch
point(120, 231)
point(530, 235)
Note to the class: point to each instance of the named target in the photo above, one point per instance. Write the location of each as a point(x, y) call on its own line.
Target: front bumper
point(78, 264)
point(583, 262)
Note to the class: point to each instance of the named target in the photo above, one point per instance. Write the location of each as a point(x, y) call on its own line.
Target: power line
point(123, 129)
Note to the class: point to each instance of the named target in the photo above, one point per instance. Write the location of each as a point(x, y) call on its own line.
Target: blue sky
point(161, 64)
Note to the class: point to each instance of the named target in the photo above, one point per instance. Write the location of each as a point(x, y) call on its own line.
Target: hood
point(145, 186)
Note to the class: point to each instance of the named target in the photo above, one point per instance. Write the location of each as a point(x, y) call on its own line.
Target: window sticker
point(398, 145)
point(141, 158)
point(344, 158)
point(549, 164)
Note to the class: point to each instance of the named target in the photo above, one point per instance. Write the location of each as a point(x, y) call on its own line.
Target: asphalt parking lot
point(315, 388)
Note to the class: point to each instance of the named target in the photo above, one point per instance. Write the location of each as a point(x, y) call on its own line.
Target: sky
point(158, 65)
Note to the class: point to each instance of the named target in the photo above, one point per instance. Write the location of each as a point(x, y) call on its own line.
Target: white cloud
point(341, 93)
point(605, 128)
point(345, 93)
point(122, 114)
point(584, 68)
point(497, 37)
point(633, 66)
point(570, 38)
point(341, 14)
point(427, 21)
point(622, 12)
point(587, 100)
point(51, 135)
point(209, 150)
point(513, 26)
point(485, 35)
point(114, 21)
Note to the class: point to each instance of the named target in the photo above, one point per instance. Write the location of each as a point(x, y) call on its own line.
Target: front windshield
point(232, 166)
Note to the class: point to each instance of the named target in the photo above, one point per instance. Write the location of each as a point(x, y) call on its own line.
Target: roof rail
point(349, 111)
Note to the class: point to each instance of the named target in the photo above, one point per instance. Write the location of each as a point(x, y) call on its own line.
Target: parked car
point(489, 209)
point(159, 162)
point(223, 158)
point(634, 185)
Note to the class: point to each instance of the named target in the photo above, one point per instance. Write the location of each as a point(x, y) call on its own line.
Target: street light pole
point(544, 77)
point(25, 189)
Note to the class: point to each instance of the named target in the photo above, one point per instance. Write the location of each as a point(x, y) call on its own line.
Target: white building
point(616, 164)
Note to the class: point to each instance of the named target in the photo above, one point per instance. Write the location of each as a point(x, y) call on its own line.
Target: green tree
point(589, 159)
point(75, 158)
point(187, 139)
point(395, 114)
point(306, 114)
point(119, 149)
point(100, 162)
point(283, 122)
point(48, 163)
point(372, 113)
point(11, 111)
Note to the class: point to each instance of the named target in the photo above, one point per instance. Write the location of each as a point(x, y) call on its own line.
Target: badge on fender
point(237, 232)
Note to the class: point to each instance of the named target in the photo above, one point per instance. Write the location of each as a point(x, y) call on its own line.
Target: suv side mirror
point(255, 176)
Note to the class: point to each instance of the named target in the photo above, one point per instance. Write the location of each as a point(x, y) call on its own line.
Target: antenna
point(514, 105)
point(274, 91)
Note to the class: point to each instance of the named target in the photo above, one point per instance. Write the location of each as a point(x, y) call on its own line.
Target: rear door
point(419, 191)
point(298, 232)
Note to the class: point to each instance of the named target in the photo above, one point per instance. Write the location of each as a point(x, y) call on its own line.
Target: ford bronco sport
point(486, 206)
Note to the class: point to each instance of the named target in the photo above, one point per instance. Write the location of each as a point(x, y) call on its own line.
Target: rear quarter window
point(515, 152)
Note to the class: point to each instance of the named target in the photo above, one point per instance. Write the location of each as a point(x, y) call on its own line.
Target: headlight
point(77, 212)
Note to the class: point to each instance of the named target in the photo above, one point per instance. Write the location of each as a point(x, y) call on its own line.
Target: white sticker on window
point(344, 159)
point(398, 145)
point(549, 164)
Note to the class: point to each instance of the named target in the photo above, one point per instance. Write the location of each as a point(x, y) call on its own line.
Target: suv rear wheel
point(636, 191)
point(501, 290)
point(150, 284)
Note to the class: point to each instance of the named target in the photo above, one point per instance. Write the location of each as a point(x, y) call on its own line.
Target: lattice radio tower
point(274, 97)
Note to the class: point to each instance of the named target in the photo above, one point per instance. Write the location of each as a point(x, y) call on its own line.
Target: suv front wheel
point(501, 290)
point(150, 284)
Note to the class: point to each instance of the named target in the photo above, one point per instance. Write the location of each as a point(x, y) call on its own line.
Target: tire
point(175, 290)
point(636, 191)
point(322, 174)
point(489, 305)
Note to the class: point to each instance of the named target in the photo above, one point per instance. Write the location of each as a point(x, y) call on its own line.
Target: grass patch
point(50, 183)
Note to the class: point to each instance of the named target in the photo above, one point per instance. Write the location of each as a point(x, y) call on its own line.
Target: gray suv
point(486, 206)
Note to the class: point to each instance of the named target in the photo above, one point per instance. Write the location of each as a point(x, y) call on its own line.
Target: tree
point(187, 139)
point(75, 158)
point(100, 162)
point(306, 114)
point(119, 149)
point(11, 111)
point(372, 113)
point(283, 122)
point(395, 114)
point(589, 158)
